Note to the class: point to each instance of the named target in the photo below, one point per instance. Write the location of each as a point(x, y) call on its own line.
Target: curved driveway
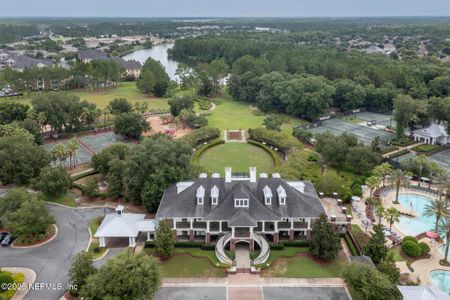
point(52, 261)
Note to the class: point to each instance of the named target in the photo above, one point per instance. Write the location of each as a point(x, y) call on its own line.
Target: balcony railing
point(214, 226)
point(242, 234)
point(199, 225)
point(183, 225)
point(284, 225)
point(300, 224)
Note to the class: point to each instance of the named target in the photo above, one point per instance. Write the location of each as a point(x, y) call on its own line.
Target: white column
point(207, 226)
point(175, 223)
point(275, 226)
point(309, 223)
point(220, 226)
point(263, 229)
point(232, 231)
point(251, 231)
point(292, 223)
point(132, 241)
point(102, 241)
point(148, 235)
point(191, 220)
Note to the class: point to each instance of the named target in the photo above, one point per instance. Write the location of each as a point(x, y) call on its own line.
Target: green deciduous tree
point(119, 106)
point(376, 247)
point(101, 160)
point(80, 270)
point(325, 242)
point(53, 181)
point(153, 79)
point(153, 165)
point(127, 276)
point(164, 240)
point(130, 125)
point(370, 283)
point(20, 160)
point(273, 122)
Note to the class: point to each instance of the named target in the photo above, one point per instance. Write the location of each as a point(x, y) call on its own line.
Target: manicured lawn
point(18, 278)
point(191, 262)
point(102, 97)
point(239, 156)
point(303, 265)
point(94, 246)
point(67, 200)
point(185, 265)
point(397, 255)
point(231, 114)
point(426, 148)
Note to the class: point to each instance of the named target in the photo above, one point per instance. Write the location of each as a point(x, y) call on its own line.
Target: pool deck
point(422, 267)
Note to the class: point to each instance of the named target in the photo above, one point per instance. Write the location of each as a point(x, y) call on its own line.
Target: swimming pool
point(441, 279)
point(414, 226)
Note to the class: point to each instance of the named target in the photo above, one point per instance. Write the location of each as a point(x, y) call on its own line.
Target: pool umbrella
point(431, 234)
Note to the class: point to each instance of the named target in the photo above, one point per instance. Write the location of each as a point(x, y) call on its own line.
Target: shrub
point(411, 248)
point(275, 156)
point(203, 148)
point(410, 238)
point(274, 138)
point(208, 247)
point(5, 279)
point(96, 249)
point(201, 136)
point(149, 244)
point(279, 246)
point(424, 248)
point(351, 246)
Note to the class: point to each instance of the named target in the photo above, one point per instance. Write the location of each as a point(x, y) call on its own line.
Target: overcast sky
point(224, 8)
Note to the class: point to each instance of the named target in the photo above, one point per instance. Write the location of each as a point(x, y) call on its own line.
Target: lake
point(158, 53)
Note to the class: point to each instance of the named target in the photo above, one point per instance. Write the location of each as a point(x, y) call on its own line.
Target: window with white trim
point(214, 200)
point(282, 200)
point(268, 200)
point(200, 200)
point(240, 202)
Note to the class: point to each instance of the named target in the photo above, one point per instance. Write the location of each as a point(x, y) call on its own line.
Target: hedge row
point(275, 156)
point(203, 148)
point(350, 245)
point(203, 246)
point(200, 136)
point(289, 244)
point(84, 174)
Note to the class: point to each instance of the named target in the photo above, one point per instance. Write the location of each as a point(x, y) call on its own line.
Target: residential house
point(131, 68)
point(20, 62)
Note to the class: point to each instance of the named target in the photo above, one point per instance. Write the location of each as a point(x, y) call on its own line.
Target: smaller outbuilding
point(125, 225)
point(434, 134)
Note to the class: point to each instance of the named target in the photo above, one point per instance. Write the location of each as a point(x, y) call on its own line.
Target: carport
point(124, 225)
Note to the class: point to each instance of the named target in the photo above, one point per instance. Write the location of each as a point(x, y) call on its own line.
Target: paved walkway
point(401, 149)
point(242, 256)
point(253, 287)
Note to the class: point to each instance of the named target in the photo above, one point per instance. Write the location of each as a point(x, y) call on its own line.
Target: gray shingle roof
point(184, 204)
point(22, 61)
point(91, 54)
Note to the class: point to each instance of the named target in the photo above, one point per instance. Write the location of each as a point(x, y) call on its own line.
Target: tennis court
point(89, 145)
point(442, 158)
point(385, 120)
point(365, 134)
point(82, 155)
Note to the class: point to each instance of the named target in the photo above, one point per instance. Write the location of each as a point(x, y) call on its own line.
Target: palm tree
point(435, 208)
point(398, 179)
point(373, 182)
point(380, 212)
point(443, 184)
point(382, 170)
point(443, 229)
point(392, 215)
point(72, 147)
point(421, 161)
point(59, 152)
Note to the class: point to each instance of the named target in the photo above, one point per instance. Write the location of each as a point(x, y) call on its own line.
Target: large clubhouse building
point(243, 206)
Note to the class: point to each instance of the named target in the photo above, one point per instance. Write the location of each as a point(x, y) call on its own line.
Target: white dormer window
point(267, 195)
point(281, 195)
point(240, 202)
point(214, 195)
point(200, 195)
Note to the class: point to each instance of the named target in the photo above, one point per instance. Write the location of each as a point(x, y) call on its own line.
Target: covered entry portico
point(125, 225)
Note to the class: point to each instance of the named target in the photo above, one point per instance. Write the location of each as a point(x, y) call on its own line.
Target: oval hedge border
point(198, 153)
point(275, 157)
point(200, 150)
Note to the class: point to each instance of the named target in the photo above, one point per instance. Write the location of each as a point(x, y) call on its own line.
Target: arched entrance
point(242, 254)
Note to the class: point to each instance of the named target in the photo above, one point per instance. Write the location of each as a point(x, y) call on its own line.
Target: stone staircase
point(265, 249)
point(220, 249)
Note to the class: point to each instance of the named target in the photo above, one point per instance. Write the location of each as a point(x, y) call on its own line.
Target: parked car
point(7, 240)
point(3, 234)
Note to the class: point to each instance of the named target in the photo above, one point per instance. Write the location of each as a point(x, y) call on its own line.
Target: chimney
point(252, 174)
point(227, 174)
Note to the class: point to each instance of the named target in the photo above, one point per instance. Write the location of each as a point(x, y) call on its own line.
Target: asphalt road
point(52, 261)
